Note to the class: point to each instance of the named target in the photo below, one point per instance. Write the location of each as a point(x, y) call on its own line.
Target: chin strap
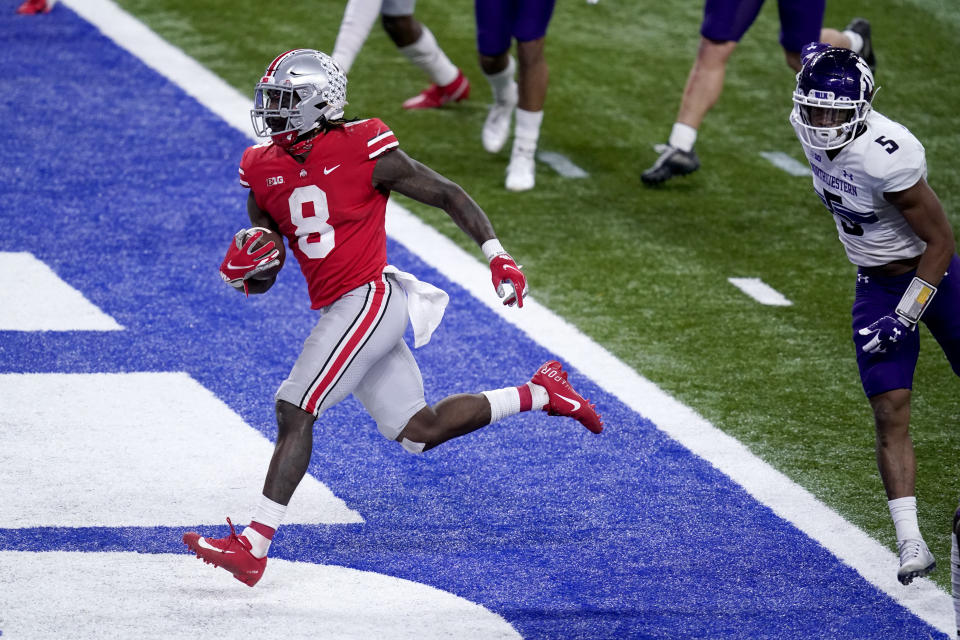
point(298, 145)
point(302, 147)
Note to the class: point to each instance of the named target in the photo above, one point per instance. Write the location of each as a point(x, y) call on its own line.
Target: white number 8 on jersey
point(314, 236)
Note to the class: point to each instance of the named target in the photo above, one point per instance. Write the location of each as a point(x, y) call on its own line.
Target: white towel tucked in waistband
point(425, 304)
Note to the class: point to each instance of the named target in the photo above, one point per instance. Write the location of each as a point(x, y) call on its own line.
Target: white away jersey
point(884, 158)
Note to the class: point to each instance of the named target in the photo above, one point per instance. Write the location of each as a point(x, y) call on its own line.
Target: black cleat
point(861, 26)
point(672, 162)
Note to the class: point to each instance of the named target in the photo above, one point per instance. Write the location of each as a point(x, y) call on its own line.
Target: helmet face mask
point(300, 90)
point(832, 98)
point(828, 127)
point(275, 106)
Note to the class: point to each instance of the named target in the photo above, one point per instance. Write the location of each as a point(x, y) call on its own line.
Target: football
point(277, 239)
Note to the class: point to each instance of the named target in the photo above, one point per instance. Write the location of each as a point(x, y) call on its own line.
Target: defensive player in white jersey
point(870, 173)
point(323, 183)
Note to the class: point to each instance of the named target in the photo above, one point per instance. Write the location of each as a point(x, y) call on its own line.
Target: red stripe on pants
point(346, 354)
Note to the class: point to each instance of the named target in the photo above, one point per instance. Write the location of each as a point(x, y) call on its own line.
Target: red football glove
point(505, 271)
point(244, 260)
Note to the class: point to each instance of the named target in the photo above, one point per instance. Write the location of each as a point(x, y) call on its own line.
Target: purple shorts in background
point(878, 296)
point(499, 21)
point(800, 20)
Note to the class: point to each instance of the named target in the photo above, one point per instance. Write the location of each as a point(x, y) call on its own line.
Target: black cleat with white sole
point(672, 162)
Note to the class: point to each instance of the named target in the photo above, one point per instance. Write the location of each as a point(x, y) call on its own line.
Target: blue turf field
point(127, 189)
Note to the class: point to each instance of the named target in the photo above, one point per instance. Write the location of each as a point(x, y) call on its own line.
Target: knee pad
point(411, 446)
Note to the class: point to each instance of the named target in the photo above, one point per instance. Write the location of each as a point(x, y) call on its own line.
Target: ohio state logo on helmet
point(299, 90)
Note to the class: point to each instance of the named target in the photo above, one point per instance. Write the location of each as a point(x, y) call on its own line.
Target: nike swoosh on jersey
point(576, 405)
point(327, 172)
point(201, 542)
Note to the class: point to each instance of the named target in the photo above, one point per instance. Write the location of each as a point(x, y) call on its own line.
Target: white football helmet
point(299, 90)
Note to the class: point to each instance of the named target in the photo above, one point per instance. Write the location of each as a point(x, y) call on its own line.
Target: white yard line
point(782, 161)
point(760, 291)
point(790, 501)
point(561, 164)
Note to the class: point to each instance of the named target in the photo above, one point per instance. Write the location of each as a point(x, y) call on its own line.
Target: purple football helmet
point(832, 98)
point(811, 49)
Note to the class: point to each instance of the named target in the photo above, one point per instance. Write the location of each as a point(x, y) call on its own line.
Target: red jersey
point(327, 207)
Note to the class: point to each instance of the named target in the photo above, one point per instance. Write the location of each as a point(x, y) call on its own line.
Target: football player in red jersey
point(323, 183)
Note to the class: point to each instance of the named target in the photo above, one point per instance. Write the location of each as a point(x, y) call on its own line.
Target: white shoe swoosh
point(576, 405)
point(201, 542)
point(327, 172)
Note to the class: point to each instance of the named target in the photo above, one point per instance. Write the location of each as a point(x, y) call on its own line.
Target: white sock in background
point(526, 130)
point(358, 19)
point(502, 83)
point(427, 54)
point(856, 41)
point(682, 137)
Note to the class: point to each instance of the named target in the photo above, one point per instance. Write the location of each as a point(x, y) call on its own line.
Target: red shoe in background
point(436, 96)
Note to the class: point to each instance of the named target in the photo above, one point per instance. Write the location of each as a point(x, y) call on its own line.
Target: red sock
point(262, 529)
point(526, 398)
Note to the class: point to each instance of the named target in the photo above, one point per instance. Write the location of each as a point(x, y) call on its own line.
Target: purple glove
point(887, 333)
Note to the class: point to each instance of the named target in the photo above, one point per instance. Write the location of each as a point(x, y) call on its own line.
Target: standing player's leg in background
point(533, 77)
point(420, 47)
point(412, 38)
point(498, 24)
point(724, 24)
point(802, 20)
point(358, 19)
